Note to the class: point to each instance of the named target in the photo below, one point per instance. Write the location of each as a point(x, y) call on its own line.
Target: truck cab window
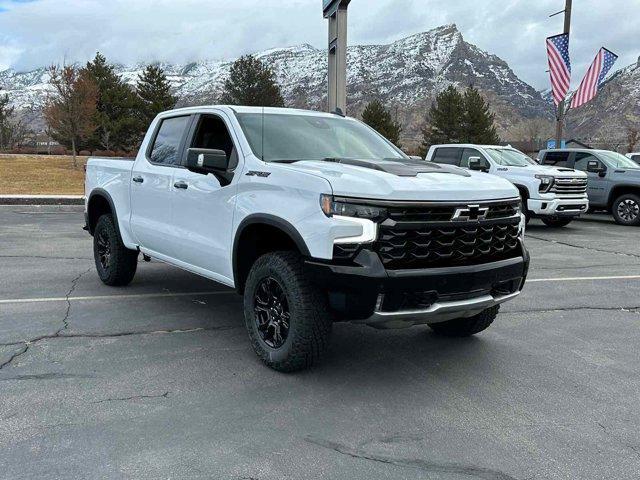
point(447, 155)
point(212, 133)
point(167, 142)
point(471, 152)
point(583, 159)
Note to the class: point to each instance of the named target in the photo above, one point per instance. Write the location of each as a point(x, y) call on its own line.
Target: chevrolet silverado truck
point(554, 195)
point(313, 218)
point(613, 180)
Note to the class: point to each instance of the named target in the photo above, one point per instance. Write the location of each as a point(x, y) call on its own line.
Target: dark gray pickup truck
point(613, 184)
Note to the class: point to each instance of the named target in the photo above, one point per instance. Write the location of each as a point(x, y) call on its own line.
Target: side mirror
point(475, 163)
point(202, 160)
point(593, 166)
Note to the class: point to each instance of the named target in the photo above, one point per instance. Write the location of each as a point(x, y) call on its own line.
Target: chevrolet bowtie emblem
point(470, 213)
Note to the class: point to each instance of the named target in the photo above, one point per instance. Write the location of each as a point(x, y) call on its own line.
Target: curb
point(41, 200)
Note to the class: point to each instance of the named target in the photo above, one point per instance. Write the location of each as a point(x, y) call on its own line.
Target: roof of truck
point(475, 145)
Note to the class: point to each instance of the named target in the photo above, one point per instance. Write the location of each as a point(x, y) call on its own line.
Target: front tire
point(556, 222)
point(465, 327)
point(115, 263)
point(287, 317)
point(626, 210)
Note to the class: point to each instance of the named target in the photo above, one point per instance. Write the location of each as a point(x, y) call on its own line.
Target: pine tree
point(6, 114)
point(379, 118)
point(117, 107)
point(252, 83)
point(154, 93)
point(445, 119)
point(479, 122)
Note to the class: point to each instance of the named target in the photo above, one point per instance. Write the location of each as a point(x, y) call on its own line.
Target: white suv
point(555, 195)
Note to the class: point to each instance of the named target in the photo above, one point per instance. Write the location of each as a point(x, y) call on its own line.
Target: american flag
point(594, 78)
point(559, 66)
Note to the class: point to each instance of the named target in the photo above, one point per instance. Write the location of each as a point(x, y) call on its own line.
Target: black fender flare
point(273, 221)
point(101, 192)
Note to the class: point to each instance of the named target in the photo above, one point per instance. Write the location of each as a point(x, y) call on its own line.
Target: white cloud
point(41, 32)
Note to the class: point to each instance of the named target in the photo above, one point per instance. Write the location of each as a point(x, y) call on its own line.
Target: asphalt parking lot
point(158, 380)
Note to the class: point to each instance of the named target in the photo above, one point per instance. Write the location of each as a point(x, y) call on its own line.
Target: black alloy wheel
point(272, 313)
point(104, 249)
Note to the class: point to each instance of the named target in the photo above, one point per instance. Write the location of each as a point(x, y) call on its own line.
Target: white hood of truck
point(363, 182)
point(532, 170)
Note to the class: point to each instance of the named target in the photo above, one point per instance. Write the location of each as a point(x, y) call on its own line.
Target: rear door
point(203, 205)
point(152, 186)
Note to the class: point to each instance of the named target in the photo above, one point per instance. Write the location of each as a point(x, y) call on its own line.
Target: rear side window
point(559, 159)
point(447, 155)
point(635, 158)
point(167, 142)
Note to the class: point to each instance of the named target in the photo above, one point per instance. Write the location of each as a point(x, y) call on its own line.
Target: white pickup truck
point(555, 195)
point(312, 217)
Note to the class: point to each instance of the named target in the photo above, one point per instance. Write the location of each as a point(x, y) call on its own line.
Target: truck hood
point(408, 180)
point(532, 170)
point(628, 173)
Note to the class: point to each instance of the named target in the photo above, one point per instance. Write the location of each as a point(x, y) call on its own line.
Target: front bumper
point(365, 292)
point(559, 207)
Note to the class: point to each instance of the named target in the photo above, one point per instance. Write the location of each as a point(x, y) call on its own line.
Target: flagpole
point(561, 110)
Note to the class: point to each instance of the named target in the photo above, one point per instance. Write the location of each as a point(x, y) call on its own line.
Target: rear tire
point(287, 317)
point(626, 210)
point(465, 327)
point(115, 263)
point(556, 222)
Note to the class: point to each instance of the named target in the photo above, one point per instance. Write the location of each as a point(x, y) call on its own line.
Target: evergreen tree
point(252, 83)
point(6, 114)
point(154, 93)
point(445, 119)
point(117, 107)
point(479, 122)
point(379, 118)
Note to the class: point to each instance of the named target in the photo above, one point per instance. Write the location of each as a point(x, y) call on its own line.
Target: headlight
point(546, 182)
point(332, 207)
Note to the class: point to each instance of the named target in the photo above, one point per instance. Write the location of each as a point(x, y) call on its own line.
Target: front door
point(203, 205)
point(597, 185)
point(152, 186)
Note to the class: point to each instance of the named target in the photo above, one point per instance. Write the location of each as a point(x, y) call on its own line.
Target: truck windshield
point(617, 160)
point(509, 157)
point(288, 137)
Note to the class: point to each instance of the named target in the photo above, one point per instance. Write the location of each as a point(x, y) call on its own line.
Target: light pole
point(336, 12)
point(561, 106)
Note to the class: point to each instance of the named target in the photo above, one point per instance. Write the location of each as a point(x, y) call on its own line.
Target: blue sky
point(40, 32)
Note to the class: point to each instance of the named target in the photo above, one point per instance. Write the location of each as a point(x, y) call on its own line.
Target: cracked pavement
point(160, 381)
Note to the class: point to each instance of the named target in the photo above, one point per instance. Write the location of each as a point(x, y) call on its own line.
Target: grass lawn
point(41, 175)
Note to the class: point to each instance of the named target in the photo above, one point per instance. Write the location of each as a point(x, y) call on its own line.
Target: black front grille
point(431, 247)
point(427, 235)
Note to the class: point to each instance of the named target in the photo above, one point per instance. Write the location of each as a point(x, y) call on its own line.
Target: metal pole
point(338, 59)
point(561, 106)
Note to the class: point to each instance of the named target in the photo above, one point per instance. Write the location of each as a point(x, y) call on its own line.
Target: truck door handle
point(138, 179)
point(181, 185)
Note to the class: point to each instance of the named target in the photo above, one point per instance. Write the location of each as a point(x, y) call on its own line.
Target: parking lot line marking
point(112, 297)
point(579, 279)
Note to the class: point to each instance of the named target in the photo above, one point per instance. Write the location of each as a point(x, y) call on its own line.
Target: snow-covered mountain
point(607, 118)
point(406, 75)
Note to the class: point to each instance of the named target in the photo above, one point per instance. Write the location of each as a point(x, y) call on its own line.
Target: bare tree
point(633, 137)
point(71, 113)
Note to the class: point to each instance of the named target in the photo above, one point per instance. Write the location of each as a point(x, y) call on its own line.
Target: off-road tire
point(556, 222)
point(122, 263)
point(627, 197)
point(310, 322)
point(465, 327)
